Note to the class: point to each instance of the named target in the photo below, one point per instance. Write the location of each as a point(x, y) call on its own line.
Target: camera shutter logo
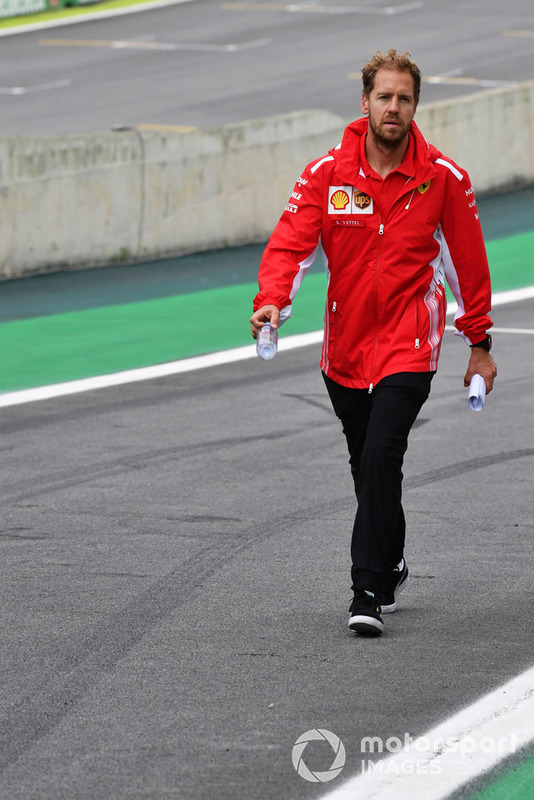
point(337, 764)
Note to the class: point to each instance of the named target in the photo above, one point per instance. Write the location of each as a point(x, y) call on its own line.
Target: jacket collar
point(406, 167)
point(350, 166)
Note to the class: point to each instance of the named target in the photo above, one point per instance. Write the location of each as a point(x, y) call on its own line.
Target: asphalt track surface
point(175, 577)
point(206, 63)
point(174, 574)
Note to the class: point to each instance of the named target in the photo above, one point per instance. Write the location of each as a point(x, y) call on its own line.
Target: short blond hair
point(390, 60)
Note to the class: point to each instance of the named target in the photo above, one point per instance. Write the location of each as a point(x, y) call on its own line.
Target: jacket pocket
point(417, 330)
point(331, 333)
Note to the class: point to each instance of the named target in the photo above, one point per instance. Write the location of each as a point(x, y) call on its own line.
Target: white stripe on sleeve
point(452, 278)
point(304, 265)
point(303, 268)
point(319, 163)
point(451, 167)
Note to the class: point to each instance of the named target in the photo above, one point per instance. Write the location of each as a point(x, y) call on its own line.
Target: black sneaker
point(397, 582)
point(365, 614)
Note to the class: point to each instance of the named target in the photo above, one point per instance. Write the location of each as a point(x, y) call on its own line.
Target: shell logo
point(340, 200)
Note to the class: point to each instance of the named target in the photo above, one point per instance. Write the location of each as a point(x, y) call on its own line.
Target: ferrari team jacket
point(386, 268)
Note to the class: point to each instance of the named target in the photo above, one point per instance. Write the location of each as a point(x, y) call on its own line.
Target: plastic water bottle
point(267, 342)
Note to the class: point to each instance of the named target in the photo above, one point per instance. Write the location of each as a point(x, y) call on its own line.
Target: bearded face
point(390, 107)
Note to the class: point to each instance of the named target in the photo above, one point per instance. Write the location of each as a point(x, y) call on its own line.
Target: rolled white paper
point(477, 393)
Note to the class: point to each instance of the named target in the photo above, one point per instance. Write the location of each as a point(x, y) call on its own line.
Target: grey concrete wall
point(490, 134)
point(227, 186)
point(66, 201)
point(117, 196)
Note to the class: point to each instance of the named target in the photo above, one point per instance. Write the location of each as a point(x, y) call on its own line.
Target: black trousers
point(376, 426)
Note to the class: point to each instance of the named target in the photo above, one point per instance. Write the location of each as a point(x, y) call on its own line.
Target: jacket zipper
point(417, 342)
point(330, 337)
point(377, 275)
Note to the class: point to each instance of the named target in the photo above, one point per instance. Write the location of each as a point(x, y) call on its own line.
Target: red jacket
point(386, 267)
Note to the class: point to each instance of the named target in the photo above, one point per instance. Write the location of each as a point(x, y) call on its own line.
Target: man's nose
point(393, 106)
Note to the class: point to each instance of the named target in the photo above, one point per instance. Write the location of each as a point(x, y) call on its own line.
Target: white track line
point(133, 44)
point(307, 8)
point(149, 373)
point(455, 752)
point(512, 296)
point(521, 331)
point(38, 87)
point(485, 83)
point(202, 362)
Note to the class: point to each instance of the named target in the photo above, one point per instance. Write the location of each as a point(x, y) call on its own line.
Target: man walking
point(395, 218)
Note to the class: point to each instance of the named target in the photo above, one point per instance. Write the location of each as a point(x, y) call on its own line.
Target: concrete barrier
point(100, 198)
point(84, 200)
point(490, 134)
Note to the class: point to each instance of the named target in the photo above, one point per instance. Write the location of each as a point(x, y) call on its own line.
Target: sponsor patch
point(339, 200)
point(363, 204)
point(424, 187)
point(348, 200)
point(292, 208)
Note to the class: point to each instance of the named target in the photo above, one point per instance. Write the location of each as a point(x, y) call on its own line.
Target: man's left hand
point(481, 363)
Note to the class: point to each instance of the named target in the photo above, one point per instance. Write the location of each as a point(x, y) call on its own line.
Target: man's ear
point(364, 104)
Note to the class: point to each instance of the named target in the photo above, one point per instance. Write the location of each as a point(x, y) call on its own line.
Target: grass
point(63, 13)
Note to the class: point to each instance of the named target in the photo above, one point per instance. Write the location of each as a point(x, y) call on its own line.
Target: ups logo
point(361, 200)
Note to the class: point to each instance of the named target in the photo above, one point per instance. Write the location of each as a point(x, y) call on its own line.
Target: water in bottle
point(267, 342)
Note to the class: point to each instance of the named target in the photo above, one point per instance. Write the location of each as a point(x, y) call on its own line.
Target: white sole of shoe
point(368, 626)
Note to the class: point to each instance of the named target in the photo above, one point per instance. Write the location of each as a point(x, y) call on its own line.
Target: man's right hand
point(481, 362)
point(262, 315)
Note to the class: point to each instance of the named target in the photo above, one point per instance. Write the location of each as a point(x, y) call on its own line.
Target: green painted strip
point(80, 290)
point(63, 347)
point(96, 341)
point(63, 13)
point(512, 261)
point(507, 213)
point(516, 784)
